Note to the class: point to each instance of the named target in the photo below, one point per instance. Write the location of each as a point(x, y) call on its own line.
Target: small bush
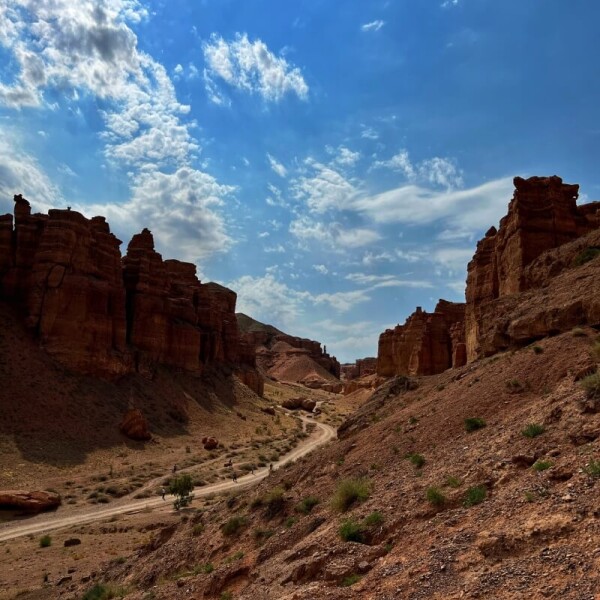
point(226, 596)
point(260, 535)
point(374, 519)
point(418, 460)
point(514, 386)
point(198, 529)
point(578, 332)
point(538, 349)
point(207, 568)
point(475, 495)
point(541, 465)
point(591, 385)
point(593, 469)
point(234, 525)
point(595, 351)
point(350, 491)
point(586, 255)
point(45, 541)
point(306, 505)
point(533, 430)
point(351, 531)
point(453, 482)
point(290, 522)
point(474, 423)
point(104, 592)
point(181, 487)
point(274, 502)
point(350, 580)
point(435, 496)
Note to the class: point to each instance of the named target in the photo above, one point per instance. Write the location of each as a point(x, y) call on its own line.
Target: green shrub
point(197, 529)
point(533, 430)
point(290, 522)
point(226, 596)
point(207, 568)
point(514, 386)
point(475, 495)
point(586, 255)
point(591, 385)
point(541, 465)
point(351, 580)
point(45, 541)
point(453, 482)
point(435, 496)
point(418, 460)
point(350, 491)
point(578, 332)
point(474, 423)
point(260, 534)
point(181, 487)
point(538, 349)
point(104, 592)
point(351, 531)
point(234, 525)
point(374, 519)
point(306, 505)
point(593, 469)
point(595, 351)
point(274, 502)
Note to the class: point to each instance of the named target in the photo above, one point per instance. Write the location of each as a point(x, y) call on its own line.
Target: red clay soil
point(534, 534)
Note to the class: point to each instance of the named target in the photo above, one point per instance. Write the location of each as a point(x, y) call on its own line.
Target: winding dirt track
point(43, 523)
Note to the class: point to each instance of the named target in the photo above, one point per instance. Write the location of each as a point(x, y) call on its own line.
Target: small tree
point(181, 487)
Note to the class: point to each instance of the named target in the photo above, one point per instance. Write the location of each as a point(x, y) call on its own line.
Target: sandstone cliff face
point(423, 345)
point(99, 314)
point(542, 215)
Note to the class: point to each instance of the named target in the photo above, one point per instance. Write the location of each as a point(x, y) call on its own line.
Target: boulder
point(135, 426)
point(210, 443)
point(33, 502)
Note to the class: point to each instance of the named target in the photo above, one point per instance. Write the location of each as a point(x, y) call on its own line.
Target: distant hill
point(249, 325)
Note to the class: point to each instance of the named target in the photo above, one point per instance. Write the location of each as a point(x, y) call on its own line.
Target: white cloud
point(279, 249)
point(471, 209)
point(263, 234)
point(449, 3)
point(346, 157)
point(276, 166)
point(369, 133)
point(321, 269)
point(20, 173)
point(399, 162)
point(276, 197)
point(251, 67)
point(332, 234)
point(342, 301)
point(324, 189)
point(373, 25)
point(383, 281)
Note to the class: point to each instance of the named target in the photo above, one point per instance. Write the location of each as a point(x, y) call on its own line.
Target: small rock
point(72, 542)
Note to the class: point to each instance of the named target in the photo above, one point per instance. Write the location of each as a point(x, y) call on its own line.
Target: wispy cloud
point(251, 67)
point(277, 166)
point(373, 25)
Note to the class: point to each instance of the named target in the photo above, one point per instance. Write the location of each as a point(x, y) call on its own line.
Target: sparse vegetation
point(453, 482)
point(475, 495)
point(274, 502)
point(533, 430)
point(352, 531)
point(591, 385)
point(197, 529)
point(374, 519)
point(514, 386)
point(541, 465)
point(538, 349)
point(104, 592)
point(306, 505)
point(260, 534)
point(226, 596)
point(435, 496)
point(578, 332)
point(350, 580)
point(207, 568)
point(350, 491)
point(593, 468)
point(586, 255)
point(418, 460)
point(45, 541)
point(234, 525)
point(474, 423)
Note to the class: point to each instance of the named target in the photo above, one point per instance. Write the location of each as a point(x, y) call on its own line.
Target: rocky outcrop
point(423, 345)
point(361, 368)
point(135, 426)
point(542, 215)
point(99, 314)
point(32, 502)
point(210, 443)
point(299, 403)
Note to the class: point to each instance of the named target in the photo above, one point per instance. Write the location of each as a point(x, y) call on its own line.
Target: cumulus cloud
point(346, 157)
point(321, 269)
point(20, 173)
point(332, 234)
point(276, 166)
point(251, 67)
point(373, 25)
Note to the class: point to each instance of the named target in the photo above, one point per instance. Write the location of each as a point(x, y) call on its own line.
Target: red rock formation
point(135, 426)
point(33, 502)
point(210, 443)
point(101, 315)
point(542, 215)
point(423, 345)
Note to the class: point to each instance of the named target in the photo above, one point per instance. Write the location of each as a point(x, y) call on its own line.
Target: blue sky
point(332, 162)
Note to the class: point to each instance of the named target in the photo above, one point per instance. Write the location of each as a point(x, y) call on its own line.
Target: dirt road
point(44, 523)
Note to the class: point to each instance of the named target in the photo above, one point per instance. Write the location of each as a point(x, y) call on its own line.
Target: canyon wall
point(101, 314)
point(521, 285)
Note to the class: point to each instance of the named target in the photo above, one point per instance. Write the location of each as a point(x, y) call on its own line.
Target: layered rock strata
point(423, 345)
point(100, 314)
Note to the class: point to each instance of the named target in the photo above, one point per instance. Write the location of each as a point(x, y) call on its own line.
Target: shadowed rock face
point(99, 314)
point(423, 345)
